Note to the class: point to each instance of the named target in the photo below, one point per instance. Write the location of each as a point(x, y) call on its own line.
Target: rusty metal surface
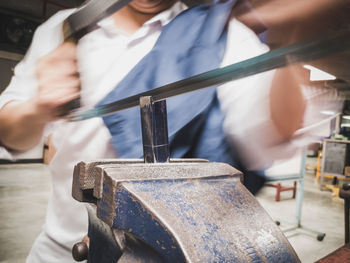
point(85, 174)
point(84, 177)
point(185, 212)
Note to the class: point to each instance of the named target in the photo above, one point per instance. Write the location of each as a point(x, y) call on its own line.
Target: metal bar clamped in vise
point(172, 210)
point(154, 130)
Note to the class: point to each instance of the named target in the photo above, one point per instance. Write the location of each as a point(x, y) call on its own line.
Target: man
point(53, 73)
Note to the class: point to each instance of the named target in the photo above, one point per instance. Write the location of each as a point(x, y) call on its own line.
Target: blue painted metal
point(182, 212)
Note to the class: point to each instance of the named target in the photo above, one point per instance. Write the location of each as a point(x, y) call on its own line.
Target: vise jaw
point(181, 211)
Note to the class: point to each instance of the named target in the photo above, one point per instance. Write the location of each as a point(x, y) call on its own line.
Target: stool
point(280, 188)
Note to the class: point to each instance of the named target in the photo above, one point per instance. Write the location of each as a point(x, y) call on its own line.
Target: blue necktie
point(194, 42)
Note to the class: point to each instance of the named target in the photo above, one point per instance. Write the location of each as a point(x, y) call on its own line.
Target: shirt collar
point(167, 15)
point(162, 18)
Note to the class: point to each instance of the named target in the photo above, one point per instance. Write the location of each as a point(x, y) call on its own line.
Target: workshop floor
point(25, 190)
point(320, 212)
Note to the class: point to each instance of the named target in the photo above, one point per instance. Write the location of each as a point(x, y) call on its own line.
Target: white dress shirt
point(105, 56)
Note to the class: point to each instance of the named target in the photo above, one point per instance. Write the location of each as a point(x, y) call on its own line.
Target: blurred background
point(25, 182)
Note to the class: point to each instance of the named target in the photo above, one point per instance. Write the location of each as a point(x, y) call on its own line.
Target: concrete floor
point(25, 190)
point(24, 193)
point(320, 212)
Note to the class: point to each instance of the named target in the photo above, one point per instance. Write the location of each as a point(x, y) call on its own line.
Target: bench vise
point(172, 210)
point(181, 211)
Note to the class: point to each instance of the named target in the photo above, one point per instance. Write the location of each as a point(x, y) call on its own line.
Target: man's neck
point(129, 20)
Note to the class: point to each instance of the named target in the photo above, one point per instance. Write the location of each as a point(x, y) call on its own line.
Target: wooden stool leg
point(278, 192)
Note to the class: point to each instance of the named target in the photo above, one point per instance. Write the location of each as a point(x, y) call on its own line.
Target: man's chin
point(151, 6)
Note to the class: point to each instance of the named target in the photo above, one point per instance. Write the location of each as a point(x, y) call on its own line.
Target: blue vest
point(194, 42)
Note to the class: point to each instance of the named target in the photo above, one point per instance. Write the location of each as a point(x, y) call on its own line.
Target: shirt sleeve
point(245, 103)
point(23, 84)
point(47, 37)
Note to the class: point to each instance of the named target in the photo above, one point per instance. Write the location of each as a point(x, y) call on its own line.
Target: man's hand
point(22, 124)
point(58, 81)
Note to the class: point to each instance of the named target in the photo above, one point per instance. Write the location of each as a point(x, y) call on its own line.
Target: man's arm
point(289, 22)
point(21, 126)
point(23, 123)
point(287, 103)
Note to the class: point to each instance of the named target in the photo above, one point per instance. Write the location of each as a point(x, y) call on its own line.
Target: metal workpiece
point(154, 130)
point(177, 212)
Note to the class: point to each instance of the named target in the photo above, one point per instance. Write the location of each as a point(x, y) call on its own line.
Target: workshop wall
point(6, 70)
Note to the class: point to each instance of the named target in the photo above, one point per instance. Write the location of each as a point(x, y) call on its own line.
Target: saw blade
point(304, 51)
